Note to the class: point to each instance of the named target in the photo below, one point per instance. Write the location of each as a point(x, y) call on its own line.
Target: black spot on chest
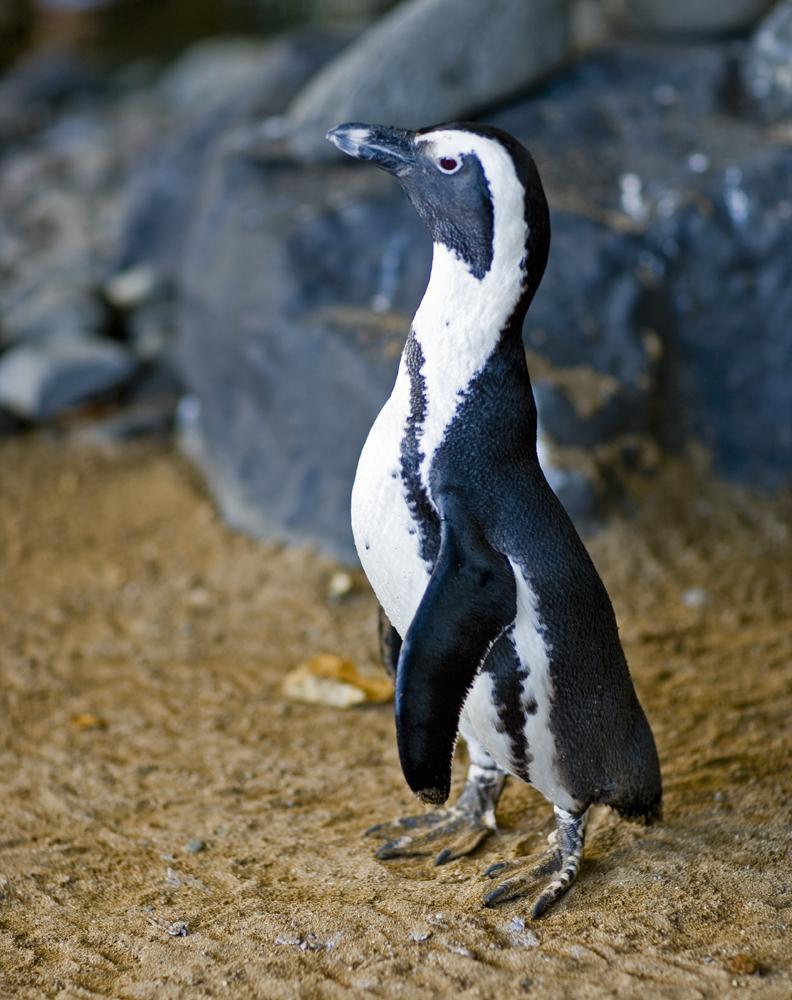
point(421, 510)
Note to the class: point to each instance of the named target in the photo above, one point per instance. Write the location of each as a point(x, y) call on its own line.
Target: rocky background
point(180, 249)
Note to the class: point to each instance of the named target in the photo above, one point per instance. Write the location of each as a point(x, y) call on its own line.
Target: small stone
point(132, 287)
point(519, 935)
point(42, 379)
point(198, 598)
point(292, 941)
point(327, 679)
point(196, 845)
point(178, 928)
point(172, 878)
point(87, 720)
point(743, 965)
point(420, 936)
point(341, 585)
point(695, 597)
point(698, 162)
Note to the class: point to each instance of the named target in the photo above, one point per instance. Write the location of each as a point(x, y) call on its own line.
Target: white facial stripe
point(461, 316)
point(505, 188)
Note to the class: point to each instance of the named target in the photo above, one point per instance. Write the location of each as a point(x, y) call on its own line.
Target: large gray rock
point(663, 318)
point(696, 17)
point(430, 61)
point(278, 290)
point(159, 201)
point(38, 381)
point(767, 70)
point(688, 313)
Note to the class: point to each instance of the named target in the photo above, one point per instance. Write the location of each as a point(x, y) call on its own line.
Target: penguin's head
point(475, 186)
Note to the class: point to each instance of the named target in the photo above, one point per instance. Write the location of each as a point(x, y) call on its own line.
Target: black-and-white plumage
point(509, 637)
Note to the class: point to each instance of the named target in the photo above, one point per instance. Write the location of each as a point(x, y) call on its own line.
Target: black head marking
point(456, 206)
point(535, 208)
point(451, 192)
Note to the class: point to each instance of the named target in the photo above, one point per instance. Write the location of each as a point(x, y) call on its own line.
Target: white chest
point(387, 539)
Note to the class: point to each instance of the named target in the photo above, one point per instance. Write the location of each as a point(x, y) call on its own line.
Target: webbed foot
point(564, 858)
point(457, 830)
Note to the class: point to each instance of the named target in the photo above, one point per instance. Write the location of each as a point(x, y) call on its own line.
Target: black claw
point(496, 869)
point(540, 906)
point(386, 852)
point(445, 855)
point(496, 896)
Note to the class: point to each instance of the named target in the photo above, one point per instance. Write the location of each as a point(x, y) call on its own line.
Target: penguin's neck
point(458, 325)
point(461, 318)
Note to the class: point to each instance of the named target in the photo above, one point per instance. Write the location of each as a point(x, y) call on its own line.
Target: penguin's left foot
point(457, 830)
point(563, 859)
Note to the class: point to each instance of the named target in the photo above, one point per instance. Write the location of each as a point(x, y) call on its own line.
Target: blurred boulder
point(39, 381)
point(286, 358)
point(668, 278)
point(214, 92)
point(767, 71)
point(211, 73)
point(430, 61)
point(51, 305)
point(41, 85)
point(695, 17)
point(662, 320)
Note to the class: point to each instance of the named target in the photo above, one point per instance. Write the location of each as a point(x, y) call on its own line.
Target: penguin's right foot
point(457, 830)
point(564, 858)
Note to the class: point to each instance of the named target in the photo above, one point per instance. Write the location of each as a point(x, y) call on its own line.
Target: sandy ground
point(140, 709)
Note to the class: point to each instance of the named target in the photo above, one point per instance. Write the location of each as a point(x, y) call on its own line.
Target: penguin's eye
point(448, 164)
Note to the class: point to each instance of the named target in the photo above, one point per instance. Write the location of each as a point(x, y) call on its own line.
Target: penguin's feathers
point(469, 602)
point(507, 626)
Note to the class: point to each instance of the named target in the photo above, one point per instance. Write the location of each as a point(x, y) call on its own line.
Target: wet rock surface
point(669, 221)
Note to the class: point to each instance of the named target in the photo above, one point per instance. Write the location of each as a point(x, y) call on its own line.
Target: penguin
point(494, 619)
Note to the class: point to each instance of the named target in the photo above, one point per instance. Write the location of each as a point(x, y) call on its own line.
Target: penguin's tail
point(640, 795)
point(646, 810)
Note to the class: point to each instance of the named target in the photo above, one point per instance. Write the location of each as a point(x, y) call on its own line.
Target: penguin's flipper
point(469, 602)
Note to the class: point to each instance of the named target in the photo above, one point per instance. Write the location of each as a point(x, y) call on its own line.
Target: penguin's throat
point(462, 316)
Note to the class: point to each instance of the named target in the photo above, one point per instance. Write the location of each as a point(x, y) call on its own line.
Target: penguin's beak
point(393, 149)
